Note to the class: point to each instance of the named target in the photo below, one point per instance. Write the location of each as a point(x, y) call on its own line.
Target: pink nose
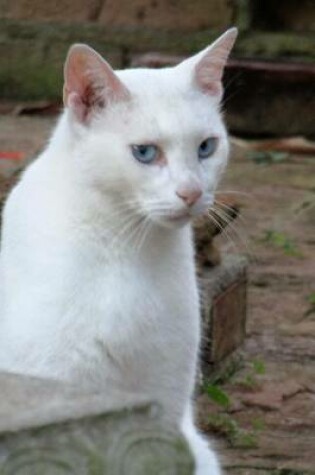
point(189, 196)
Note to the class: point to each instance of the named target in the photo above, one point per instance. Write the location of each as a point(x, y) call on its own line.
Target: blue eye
point(145, 153)
point(207, 148)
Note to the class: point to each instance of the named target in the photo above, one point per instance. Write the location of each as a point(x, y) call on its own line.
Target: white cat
point(97, 270)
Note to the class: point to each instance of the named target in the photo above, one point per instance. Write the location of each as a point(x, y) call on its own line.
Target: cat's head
point(152, 139)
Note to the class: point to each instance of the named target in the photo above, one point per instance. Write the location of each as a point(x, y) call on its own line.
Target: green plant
point(217, 395)
point(228, 427)
point(226, 373)
point(267, 157)
point(259, 366)
point(248, 382)
point(281, 241)
point(311, 308)
point(251, 379)
point(258, 424)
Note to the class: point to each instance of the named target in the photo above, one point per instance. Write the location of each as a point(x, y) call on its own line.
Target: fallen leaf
point(11, 155)
point(297, 145)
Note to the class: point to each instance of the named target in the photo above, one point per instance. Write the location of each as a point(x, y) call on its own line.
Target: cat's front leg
point(205, 458)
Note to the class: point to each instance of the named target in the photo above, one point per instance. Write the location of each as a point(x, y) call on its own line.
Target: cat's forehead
point(146, 80)
point(164, 107)
point(166, 98)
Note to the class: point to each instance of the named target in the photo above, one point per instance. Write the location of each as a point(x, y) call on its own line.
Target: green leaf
point(281, 241)
point(259, 367)
point(245, 440)
point(311, 298)
point(258, 424)
point(224, 424)
point(278, 157)
point(267, 157)
point(217, 395)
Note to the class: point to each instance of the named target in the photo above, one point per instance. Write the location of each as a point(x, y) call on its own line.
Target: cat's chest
point(131, 295)
point(143, 321)
point(131, 300)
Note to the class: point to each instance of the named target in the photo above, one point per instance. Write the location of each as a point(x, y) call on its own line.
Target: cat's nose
point(189, 195)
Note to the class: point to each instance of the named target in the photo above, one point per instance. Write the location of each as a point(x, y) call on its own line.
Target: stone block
point(48, 428)
point(274, 98)
point(224, 309)
point(165, 14)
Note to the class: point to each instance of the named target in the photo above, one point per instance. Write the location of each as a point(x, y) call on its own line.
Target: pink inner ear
point(208, 81)
point(89, 82)
point(209, 70)
point(80, 104)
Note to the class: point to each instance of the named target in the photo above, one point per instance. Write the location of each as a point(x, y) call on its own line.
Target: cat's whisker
point(129, 224)
point(226, 210)
point(232, 192)
point(135, 233)
point(158, 205)
point(139, 233)
point(117, 226)
point(120, 209)
point(132, 236)
point(144, 231)
point(223, 230)
point(227, 87)
point(232, 210)
point(231, 227)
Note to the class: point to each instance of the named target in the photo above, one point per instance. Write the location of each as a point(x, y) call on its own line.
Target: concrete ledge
point(32, 54)
point(33, 402)
point(47, 428)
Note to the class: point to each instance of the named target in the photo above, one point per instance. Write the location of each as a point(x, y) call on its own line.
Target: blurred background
point(259, 393)
point(271, 77)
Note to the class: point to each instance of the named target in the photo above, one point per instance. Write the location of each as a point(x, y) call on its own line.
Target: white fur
point(86, 295)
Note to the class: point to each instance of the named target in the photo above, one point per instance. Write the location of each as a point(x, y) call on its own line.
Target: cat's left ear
point(89, 82)
point(208, 65)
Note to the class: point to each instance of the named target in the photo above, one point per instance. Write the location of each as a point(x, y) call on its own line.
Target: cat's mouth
point(178, 219)
point(179, 216)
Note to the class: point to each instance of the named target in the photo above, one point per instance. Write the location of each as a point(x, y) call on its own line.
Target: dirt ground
point(268, 424)
point(263, 408)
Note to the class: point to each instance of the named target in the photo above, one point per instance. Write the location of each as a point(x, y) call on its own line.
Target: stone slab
point(31, 402)
point(47, 428)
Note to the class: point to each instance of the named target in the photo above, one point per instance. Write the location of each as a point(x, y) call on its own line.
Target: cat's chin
point(174, 222)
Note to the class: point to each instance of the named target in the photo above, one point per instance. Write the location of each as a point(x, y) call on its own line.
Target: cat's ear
point(89, 82)
point(208, 65)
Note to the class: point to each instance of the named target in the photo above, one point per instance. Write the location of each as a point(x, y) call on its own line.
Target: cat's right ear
point(208, 65)
point(89, 82)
